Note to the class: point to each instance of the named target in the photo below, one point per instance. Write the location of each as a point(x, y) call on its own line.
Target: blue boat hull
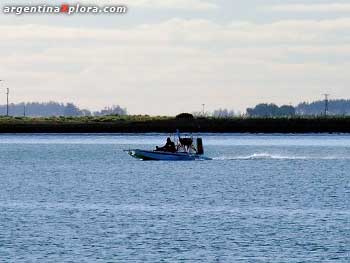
point(163, 156)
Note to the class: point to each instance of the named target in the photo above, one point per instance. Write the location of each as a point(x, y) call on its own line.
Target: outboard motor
point(200, 149)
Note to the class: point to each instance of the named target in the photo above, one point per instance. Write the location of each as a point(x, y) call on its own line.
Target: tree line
point(48, 109)
point(339, 107)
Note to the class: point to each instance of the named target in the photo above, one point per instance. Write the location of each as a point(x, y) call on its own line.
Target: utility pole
point(203, 108)
point(326, 102)
point(24, 109)
point(7, 101)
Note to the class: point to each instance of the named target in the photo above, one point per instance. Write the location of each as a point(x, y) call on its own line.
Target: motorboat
point(162, 156)
point(184, 150)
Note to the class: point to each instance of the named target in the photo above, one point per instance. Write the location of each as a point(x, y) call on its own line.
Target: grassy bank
point(143, 124)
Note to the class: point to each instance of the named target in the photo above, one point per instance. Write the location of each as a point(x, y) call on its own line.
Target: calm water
point(79, 198)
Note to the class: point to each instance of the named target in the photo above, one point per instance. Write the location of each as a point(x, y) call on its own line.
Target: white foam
point(267, 156)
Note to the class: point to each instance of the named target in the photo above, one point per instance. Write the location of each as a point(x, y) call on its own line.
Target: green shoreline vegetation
point(147, 124)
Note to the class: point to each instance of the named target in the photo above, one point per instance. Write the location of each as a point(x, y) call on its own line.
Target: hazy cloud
point(179, 32)
point(196, 61)
point(141, 61)
point(307, 8)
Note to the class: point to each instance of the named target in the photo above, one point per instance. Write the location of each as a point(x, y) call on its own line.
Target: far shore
point(146, 124)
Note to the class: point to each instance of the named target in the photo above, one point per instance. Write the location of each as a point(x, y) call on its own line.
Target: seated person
point(168, 147)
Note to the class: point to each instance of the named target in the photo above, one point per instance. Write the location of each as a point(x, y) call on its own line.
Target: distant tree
point(200, 114)
point(336, 107)
point(35, 109)
point(223, 113)
point(270, 110)
point(85, 112)
point(286, 110)
point(263, 110)
point(114, 110)
point(71, 110)
point(197, 114)
point(47, 109)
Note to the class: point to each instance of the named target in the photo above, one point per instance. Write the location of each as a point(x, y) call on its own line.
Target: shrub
point(186, 116)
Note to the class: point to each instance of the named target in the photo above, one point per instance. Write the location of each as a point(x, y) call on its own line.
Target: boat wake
point(267, 156)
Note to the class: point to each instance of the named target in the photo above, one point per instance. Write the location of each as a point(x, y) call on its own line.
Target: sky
point(169, 56)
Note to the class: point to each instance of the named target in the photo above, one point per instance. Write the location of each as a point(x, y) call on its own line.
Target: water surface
point(263, 198)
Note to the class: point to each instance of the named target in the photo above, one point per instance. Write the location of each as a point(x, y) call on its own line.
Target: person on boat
point(168, 147)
